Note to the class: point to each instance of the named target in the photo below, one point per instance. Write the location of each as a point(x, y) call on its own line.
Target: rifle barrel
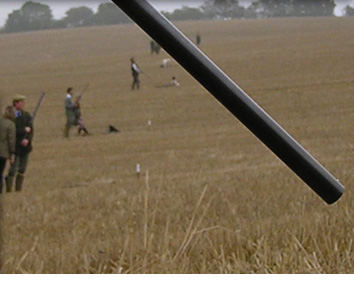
point(84, 90)
point(37, 107)
point(233, 98)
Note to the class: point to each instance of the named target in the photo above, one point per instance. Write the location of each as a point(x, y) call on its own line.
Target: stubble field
point(210, 198)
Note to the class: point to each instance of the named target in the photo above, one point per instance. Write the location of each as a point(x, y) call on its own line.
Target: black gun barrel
point(229, 94)
point(36, 108)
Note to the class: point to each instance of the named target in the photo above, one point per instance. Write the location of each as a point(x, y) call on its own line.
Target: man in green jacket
point(7, 141)
point(24, 136)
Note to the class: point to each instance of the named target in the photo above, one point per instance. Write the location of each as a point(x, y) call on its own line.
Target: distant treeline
point(230, 9)
point(37, 16)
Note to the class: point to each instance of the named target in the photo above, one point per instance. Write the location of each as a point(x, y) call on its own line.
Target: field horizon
point(211, 198)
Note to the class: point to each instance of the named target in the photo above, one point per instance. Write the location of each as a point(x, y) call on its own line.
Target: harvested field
point(211, 198)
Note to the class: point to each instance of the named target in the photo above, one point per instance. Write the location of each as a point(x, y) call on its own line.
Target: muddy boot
point(9, 181)
point(19, 181)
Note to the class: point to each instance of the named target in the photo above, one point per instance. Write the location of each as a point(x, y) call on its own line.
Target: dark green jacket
point(22, 122)
point(7, 138)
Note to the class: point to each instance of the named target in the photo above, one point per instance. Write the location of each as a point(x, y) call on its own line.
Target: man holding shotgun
point(73, 112)
point(24, 137)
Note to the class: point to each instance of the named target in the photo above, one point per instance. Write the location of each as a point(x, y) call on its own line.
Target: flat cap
point(18, 98)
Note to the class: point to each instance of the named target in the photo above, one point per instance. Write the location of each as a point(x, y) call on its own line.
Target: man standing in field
point(152, 47)
point(24, 137)
point(69, 112)
point(198, 39)
point(7, 141)
point(135, 72)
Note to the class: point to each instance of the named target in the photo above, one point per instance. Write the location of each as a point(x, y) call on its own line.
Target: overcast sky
point(59, 7)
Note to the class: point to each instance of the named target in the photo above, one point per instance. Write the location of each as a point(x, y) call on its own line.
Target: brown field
point(211, 197)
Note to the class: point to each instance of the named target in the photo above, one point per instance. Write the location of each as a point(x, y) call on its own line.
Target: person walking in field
point(24, 137)
point(69, 112)
point(135, 72)
point(152, 47)
point(198, 39)
point(7, 141)
point(73, 114)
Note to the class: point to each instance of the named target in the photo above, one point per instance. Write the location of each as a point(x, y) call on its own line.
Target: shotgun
point(82, 93)
point(36, 109)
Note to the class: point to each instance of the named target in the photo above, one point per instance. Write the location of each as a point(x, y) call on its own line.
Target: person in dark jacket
point(198, 39)
point(7, 141)
point(24, 137)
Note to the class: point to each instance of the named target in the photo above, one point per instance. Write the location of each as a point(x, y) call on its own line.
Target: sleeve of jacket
point(30, 135)
point(69, 104)
point(11, 136)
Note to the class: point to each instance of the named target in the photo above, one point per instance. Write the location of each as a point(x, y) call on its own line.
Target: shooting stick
point(233, 98)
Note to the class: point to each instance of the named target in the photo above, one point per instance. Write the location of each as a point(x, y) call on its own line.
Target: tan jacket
point(7, 138)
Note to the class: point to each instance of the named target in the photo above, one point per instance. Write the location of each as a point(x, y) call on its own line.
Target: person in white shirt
point(135, 72)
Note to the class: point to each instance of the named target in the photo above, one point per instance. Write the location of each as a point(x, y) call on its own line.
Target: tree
point(78, 17)
point(348, 11)
point(294, 8)
point(271, 8)
point(221, 9)
point(110, 14)
point(31, 16)
point(318, 8)
point(39, 16)
point(14, 22)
